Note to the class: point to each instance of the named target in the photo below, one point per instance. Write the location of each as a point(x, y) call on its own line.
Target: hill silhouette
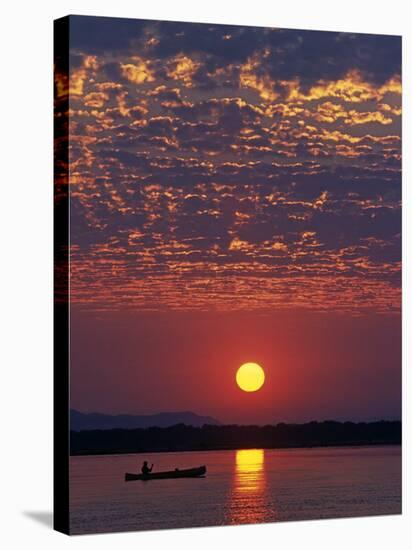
point(98, 421)
point(208, 437)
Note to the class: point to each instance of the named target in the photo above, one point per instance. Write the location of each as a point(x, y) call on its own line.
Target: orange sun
point(250, 377)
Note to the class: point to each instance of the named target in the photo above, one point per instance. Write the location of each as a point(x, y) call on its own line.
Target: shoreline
point(239, 448)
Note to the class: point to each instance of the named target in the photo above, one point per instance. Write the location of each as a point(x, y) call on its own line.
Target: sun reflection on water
point(250, 470)
point(248, 497)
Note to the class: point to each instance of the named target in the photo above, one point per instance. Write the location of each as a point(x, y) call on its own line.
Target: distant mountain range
point(96, 421)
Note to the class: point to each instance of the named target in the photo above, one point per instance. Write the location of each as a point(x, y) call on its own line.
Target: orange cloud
point(96, 99)
point(331, 112)
point(74, 85)
point(183, 68)
point(353, 89)
point(138, 71)
point(238, 244)
point(362, 117)
point(248, 78)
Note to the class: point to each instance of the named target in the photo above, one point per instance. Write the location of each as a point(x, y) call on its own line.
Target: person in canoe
point(145, 468)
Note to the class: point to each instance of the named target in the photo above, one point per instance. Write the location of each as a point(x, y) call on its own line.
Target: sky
point(235, 196)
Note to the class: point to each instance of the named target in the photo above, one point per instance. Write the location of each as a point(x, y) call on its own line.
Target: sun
point(250, 377)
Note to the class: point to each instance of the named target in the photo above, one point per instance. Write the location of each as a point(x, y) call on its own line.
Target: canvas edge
point(61, 431)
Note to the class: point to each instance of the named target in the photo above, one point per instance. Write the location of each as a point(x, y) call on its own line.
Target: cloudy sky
point(239, 177)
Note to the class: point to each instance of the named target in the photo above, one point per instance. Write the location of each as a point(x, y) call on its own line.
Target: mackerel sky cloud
point(231, 168)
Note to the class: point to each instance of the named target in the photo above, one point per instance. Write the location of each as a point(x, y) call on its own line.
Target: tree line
point(188, 438)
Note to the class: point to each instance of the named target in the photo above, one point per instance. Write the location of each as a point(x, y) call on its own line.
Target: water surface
point(244, 486)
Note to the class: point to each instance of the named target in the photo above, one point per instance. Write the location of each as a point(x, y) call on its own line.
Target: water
point(244, 486)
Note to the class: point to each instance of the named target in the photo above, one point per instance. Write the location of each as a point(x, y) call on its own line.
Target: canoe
point(191, 472)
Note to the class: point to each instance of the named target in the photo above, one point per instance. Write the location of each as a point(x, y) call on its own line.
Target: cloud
point(138, 71)
point(231, 167)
